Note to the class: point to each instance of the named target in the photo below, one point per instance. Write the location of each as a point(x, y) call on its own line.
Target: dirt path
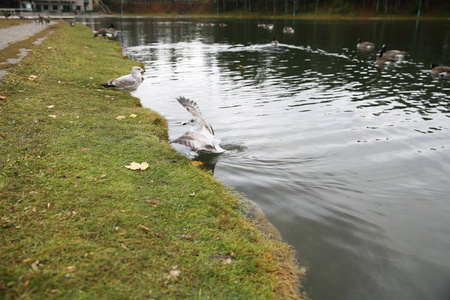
point(19, 33)
point(14, 34)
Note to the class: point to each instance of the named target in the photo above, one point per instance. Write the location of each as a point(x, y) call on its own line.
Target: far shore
point(304, 16)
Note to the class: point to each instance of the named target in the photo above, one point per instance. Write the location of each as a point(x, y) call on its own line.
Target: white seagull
point(201, 136)
point(128, 82)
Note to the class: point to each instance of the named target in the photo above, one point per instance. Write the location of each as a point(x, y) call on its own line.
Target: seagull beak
point(185, 123)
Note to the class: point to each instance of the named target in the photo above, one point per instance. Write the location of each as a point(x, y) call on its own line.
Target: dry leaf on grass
point(52, 116)
point(155, 201)
point(70, 268)
point(32, 77)
point(133, 116)
point(120, 117)
point(144, 228)
point(137, 166)
point(197, 163)
point(174, 272)
point(50, 106)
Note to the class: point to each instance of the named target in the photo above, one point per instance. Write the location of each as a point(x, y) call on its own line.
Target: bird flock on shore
point(201, 136)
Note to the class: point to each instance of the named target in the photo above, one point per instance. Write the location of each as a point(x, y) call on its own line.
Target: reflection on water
point(349, 161)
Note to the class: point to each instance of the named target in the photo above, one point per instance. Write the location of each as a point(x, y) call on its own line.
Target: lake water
point(349, 161)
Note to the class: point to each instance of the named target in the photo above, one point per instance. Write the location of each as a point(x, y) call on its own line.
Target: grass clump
point(75, 223)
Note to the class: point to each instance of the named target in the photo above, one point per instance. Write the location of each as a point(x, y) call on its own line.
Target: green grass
point(76, 224)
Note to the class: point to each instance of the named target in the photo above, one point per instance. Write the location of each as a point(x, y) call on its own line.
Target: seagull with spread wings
point(201, 136)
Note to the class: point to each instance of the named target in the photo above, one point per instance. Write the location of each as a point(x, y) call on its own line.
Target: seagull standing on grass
point(128, 82)
point(201, 136)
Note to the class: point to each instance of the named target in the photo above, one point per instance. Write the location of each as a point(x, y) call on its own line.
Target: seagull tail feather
point(107, 86)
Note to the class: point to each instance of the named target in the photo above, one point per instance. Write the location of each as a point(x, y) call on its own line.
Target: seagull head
point(137, 70)
point(195, 123)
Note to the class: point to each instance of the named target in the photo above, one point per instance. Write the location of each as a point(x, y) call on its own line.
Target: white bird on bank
point(128, 82)
point(201, 136)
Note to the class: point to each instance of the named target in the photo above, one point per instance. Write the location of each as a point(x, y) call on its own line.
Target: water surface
point(349, 161)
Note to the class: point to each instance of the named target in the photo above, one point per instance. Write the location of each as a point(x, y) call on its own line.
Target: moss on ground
point(75, 223)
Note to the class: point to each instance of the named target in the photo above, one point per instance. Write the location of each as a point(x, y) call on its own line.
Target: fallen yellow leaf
point(137, 166)
point(174, 272)
point(32, 77)
point(133, 116)
point(120, 117)
point(52, 116)
point(70, 268)
point(197, 163)
point(144, 228)
point(50, 106)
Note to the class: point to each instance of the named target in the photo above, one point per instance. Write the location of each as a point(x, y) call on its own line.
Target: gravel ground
point(18, 33)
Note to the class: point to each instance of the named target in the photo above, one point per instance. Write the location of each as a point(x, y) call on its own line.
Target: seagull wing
point(190, 106)
point(195, 141)
point(124, 82)
point(193, 108)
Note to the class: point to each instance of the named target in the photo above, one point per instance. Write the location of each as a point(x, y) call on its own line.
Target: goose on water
point(395, 54)
point(440, 71)
point(383, 60)
point(364, 45)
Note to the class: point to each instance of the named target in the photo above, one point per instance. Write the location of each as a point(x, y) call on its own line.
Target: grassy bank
point(76, 223)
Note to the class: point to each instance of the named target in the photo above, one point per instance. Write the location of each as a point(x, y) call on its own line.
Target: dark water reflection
point(349, 161)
